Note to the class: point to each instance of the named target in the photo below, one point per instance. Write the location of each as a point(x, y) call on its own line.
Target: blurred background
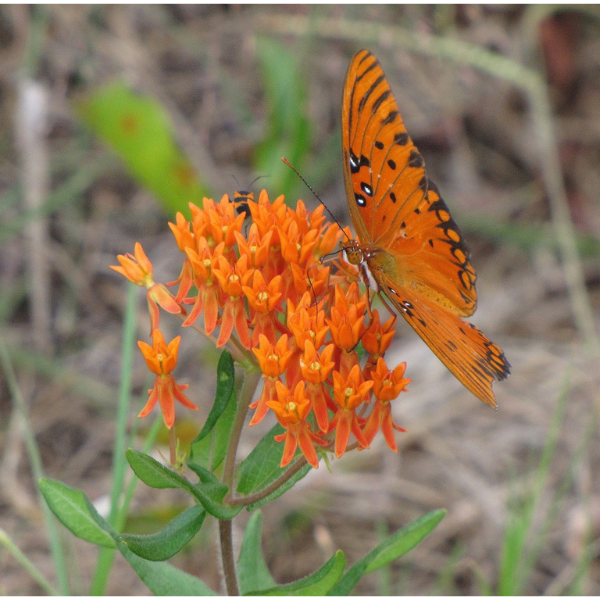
point(112, 118)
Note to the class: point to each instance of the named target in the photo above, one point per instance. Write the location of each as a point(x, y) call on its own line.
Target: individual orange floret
point(138, 269)
point(349, 393)
point(161, 360)
point(256, 247)
point(291, 410)
point(265, 300)
point(232, 278)
point(312, 277)
point(305, 322)
point(217, 222)
point(377, 339)
point(347, 324)
point(387, 385)
point(316, 368)
point(273, 361)
point(202, 264)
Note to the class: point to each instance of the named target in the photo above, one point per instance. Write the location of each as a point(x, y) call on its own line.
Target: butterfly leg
point(390, 310)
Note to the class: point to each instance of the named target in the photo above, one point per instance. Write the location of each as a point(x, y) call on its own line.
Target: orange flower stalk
point(161, 360)
point(262, 289)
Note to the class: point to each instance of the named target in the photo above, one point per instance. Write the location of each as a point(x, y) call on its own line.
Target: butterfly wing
point(384, 172)
point(414, 249)
point(472, 358)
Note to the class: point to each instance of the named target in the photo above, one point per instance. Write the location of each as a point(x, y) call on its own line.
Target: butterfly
point(409, 248)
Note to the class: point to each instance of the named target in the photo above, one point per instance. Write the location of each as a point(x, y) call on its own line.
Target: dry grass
point(62, 308)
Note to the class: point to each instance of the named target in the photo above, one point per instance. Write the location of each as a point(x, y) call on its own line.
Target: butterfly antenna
point(289, 164)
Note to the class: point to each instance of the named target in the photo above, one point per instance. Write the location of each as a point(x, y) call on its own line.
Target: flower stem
point(249, 385)
point(226, 537)
point(172, 446)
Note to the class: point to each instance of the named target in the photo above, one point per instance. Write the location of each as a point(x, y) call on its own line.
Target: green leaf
point(170, 540)
point(253, 574)
point(261, 467)
point(394, 547)
point(137, 128)
point(210, 493)
point(153, 473)
point(210, 451)
point(74, 510)
point(164, 579)
point(317, 584)
point(289, 130)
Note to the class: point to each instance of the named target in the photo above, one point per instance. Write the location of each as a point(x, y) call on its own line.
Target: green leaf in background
point(289, 130)
point(209, 451)
point(137, 128)
point(317, 584)
point(170, 540)
point(74, 510)
point(394, 547)
point(253, 574)
point(163, 579)
point(261, 467)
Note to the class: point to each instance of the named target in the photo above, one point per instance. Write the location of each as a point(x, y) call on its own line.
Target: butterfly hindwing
point(471, 357)
point(431, 255)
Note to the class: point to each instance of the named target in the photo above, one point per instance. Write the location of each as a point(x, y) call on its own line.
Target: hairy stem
point(226, 537)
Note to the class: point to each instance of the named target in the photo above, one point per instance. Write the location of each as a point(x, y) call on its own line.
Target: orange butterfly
point(409, 248)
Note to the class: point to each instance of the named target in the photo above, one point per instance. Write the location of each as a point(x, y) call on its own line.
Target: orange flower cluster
point(267, 291)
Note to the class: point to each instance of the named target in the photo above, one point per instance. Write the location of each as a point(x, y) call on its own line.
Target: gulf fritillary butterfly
point(409, 248)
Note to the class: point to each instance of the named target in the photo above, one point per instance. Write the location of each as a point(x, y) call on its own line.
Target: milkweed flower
point(275, 292)
point(138, 269)
point(161, 360)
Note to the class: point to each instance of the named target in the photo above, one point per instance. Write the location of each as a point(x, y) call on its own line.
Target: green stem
point(16, 553)
point(296, 466)
point(225, 526)
point(37, 470)
point(249, 386)
point(226, 537)
point(173, 446)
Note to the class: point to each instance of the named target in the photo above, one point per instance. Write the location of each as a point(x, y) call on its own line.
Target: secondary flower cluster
point(265, 288)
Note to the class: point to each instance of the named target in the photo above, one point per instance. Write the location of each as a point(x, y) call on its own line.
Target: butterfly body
point(409, 248)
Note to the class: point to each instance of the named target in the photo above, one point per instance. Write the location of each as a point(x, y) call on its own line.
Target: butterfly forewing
point(385, 174)
point(411, 246)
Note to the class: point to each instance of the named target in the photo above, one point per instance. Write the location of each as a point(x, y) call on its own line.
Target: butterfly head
point(353, 253)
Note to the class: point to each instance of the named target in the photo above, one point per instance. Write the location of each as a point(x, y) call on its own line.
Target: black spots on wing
point(392, 164)
point(401, 139)
point(356, 163)
point(424, 184)
point(384, 217)
point(360, 200)
point(379, 101)
point(415, 160)
point(379, 145)
point(417, 211)
point(393, 197)
point(430, 242)
point(366, 188)
point(451, 345)
point(390, 118)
